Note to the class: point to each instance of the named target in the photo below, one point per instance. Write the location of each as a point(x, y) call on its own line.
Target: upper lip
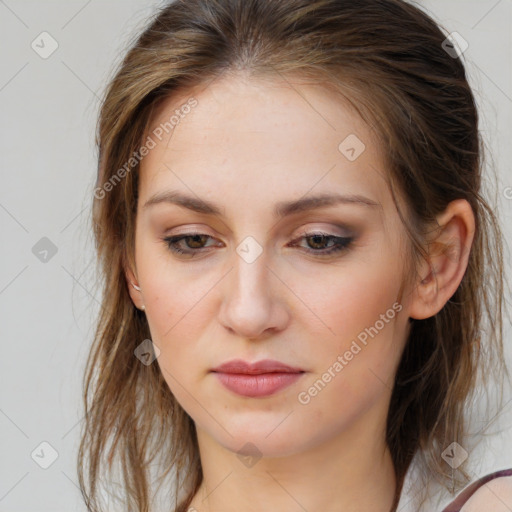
point(259, 367)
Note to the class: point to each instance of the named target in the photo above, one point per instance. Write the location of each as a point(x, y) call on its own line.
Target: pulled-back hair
point(386, 58)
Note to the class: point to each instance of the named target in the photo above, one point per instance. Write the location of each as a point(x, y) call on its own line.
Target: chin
point(256, 442)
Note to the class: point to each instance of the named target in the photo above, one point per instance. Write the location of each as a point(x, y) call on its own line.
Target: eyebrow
point(281, 209)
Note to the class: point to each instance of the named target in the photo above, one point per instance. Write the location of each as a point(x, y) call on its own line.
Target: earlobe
point(133, 288)
point(448, 256)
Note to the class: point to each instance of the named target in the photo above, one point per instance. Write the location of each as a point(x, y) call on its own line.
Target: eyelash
point(343, 244)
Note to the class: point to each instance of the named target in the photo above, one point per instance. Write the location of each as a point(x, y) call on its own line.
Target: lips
point(240, 366)
point(256, 380)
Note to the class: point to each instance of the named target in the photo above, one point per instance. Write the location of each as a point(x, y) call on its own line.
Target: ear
point(131, 280)
point(448, 250)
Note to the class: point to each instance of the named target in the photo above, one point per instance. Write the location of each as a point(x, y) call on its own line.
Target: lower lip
point(264, 384)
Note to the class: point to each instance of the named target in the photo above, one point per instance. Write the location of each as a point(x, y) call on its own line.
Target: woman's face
point(250, 284)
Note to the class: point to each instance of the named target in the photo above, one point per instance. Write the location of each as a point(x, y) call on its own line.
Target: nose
point(254, 304)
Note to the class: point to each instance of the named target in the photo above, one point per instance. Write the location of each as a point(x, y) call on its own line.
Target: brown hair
point(386, 58)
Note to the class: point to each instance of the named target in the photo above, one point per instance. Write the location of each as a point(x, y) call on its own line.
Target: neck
point(350, 472)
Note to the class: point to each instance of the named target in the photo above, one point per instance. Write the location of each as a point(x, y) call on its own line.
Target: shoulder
point(493, 496)
point(490, 493)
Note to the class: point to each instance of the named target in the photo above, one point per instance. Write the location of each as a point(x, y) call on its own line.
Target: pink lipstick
point(260, 379)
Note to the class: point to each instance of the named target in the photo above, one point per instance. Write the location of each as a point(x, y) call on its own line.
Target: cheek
point(177, 307)
point(171, 291)
point(177, 315)
point(361, 344)
point(345, 303)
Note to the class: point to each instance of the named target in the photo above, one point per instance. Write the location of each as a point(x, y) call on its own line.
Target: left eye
point(341, 243)
point(194, 243)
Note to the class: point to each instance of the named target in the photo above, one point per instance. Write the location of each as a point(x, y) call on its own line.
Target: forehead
point(266, 137)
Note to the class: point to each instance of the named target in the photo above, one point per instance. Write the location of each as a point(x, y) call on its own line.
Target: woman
point(298, 262)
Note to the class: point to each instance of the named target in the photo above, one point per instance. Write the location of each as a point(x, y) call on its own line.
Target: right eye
point(193, 242)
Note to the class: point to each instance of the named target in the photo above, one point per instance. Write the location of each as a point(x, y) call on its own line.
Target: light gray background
point(48, 165)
